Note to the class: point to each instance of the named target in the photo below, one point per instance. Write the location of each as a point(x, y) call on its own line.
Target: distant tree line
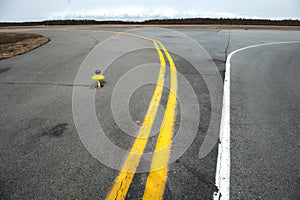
point(224, 21)
point(61, 22)
point(189, 21)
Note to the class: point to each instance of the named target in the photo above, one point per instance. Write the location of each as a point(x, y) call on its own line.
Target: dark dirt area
point(12, 44)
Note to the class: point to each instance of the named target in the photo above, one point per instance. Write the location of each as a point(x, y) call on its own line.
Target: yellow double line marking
point(159, 168)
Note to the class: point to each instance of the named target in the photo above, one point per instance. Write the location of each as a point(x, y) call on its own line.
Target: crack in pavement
point(45, 84)
point(227, 47)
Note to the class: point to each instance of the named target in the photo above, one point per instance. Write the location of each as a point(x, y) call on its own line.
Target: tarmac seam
point(45, 84)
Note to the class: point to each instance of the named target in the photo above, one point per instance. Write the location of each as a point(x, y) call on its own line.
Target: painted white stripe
point(223, 162)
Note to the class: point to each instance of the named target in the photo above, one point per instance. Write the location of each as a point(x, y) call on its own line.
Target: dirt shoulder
point(12, 44)
point(244, 27)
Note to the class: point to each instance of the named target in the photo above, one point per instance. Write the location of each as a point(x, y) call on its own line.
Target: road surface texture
point(42, 156)
point(265, 122)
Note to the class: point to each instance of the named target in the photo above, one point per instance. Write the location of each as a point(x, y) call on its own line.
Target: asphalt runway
point(265, 122)
point(43, 155)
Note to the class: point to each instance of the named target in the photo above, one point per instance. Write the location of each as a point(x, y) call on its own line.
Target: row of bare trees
point(197, 21)
point(226, 21)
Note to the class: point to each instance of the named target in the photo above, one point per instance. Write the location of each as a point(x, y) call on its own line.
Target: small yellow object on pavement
point(98, 76)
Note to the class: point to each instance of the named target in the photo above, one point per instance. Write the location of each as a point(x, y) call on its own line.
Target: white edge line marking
point(223, 163)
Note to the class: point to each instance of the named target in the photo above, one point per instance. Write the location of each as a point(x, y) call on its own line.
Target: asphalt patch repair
point(56, 131)
point(12, 44)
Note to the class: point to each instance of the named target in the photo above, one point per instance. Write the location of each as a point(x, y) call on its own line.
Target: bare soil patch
point(12, 44)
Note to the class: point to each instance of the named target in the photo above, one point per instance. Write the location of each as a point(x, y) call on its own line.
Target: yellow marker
point(157, 177)
point(98, 76)
point(159, 168)
point(129, 34)
point(123, 181)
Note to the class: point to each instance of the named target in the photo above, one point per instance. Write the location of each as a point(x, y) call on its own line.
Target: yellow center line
point(123, 181)
point(159, 168)
point(130, 34)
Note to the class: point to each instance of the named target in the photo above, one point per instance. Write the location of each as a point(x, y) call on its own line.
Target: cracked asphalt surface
point(41, 154)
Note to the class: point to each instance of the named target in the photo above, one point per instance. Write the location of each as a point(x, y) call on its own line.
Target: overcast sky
point(37, 10)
